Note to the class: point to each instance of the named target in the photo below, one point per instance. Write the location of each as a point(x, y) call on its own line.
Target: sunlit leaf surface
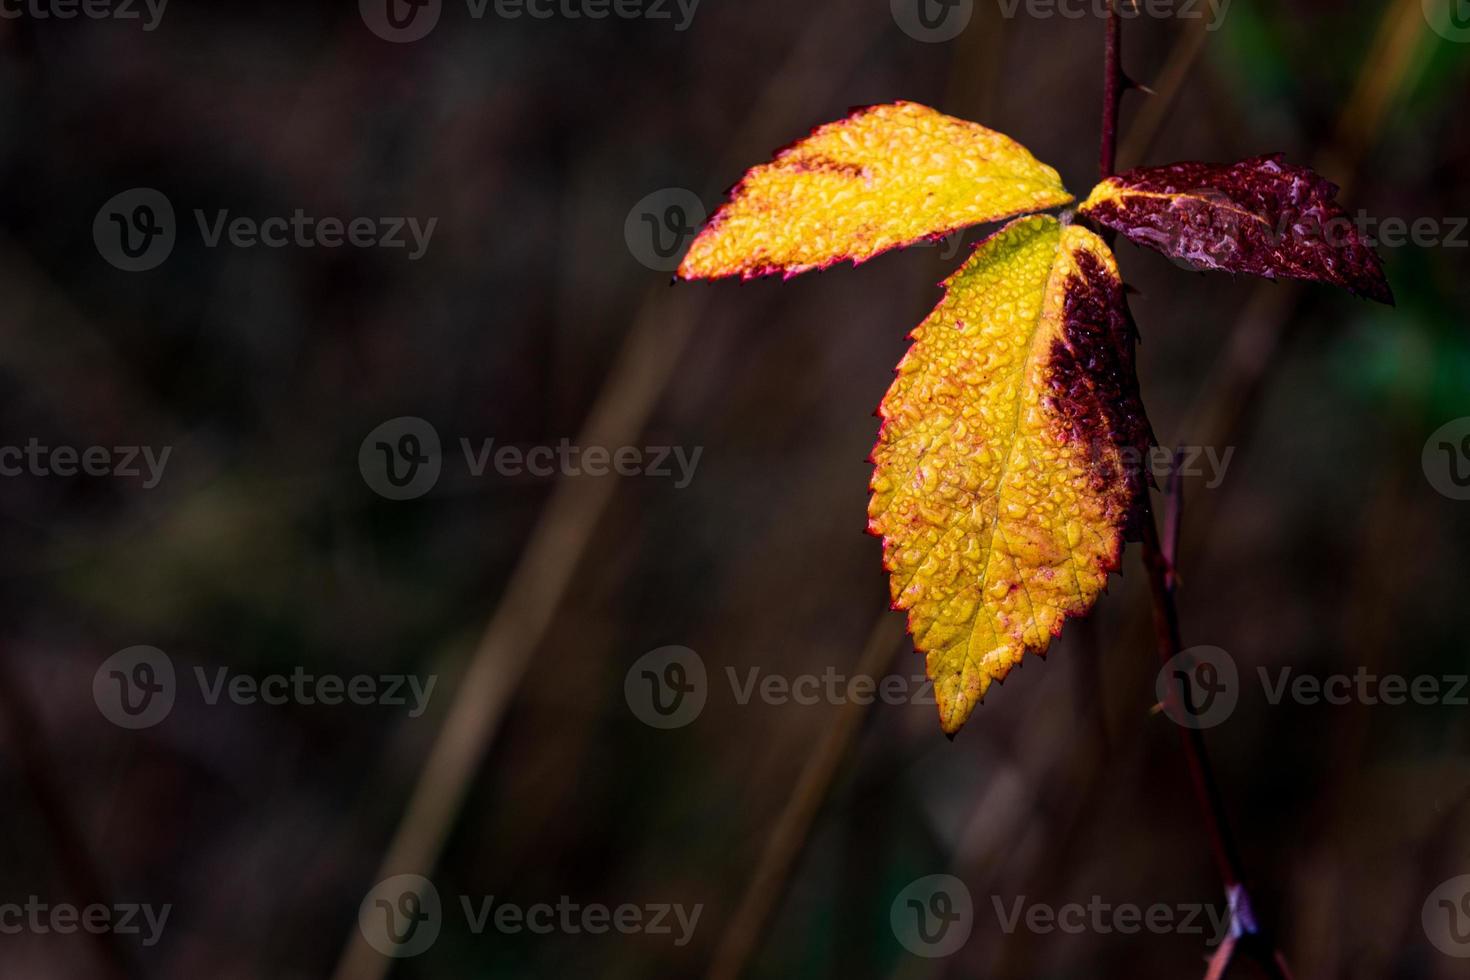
point(887, 176)
point(1008, 464)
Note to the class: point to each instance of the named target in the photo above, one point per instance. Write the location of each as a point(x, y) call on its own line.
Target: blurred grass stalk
point(818, 59)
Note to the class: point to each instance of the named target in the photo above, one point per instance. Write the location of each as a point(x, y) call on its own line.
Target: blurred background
point(266, 501)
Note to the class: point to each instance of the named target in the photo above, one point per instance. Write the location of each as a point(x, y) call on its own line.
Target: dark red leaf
point(1261, 216)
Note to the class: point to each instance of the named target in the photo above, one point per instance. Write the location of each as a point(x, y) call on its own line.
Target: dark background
point(529, 320)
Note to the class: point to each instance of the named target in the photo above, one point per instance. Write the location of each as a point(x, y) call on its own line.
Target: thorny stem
point(1113, 85)
point(1167, 639)
point(1245, 936)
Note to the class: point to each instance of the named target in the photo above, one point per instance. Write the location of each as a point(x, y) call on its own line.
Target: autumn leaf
point(1260, 216)
point(887, 176)
point(1008, 466)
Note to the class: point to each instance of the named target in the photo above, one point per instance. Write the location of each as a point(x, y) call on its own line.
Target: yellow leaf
point(1009, 464)
point(887, 176)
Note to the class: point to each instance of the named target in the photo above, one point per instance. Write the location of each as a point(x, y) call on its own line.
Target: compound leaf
point(1261, 216)
point(887, 176)
point(1008, 466)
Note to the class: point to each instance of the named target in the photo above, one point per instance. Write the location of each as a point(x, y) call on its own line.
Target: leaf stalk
point(1160, 559)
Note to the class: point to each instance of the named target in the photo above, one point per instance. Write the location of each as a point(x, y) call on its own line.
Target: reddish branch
point(1114, 82)
point(1245, 937)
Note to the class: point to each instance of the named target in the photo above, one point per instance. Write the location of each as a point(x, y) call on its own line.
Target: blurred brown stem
point(78, 866)
point(543, 575)
point(789, 834)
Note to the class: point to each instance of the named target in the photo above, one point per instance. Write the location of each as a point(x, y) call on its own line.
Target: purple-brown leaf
point(1261, 216)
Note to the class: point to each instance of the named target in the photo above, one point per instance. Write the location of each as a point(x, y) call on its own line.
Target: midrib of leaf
point(1207, 201)
point(1036, 334)
point(1005, 464)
